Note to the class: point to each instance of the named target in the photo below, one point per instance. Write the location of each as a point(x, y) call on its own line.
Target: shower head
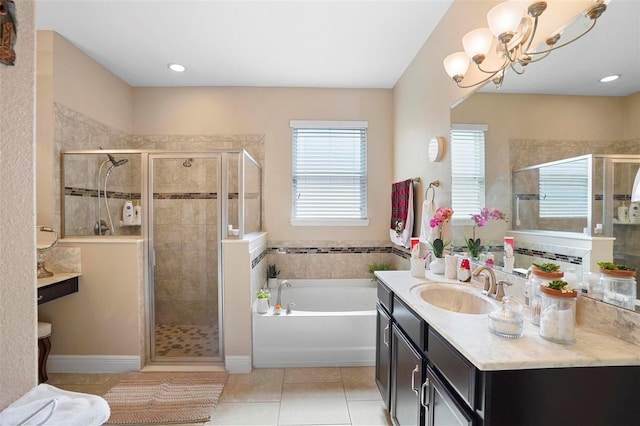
point(116, 163)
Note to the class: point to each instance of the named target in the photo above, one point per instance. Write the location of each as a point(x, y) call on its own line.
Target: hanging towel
point(427, 233)
point(402, 213)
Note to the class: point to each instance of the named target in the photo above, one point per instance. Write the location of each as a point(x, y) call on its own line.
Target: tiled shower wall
point(75, 131)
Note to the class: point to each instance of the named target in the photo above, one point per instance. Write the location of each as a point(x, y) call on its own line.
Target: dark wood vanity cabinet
point(432, 383)
point(408, 368)
point(383, 353)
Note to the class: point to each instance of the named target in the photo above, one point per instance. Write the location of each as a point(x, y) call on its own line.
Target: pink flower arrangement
point(486, 214)
point(442, 216)
point(480, 220)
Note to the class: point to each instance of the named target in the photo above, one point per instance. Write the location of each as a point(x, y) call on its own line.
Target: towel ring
point(432, 186)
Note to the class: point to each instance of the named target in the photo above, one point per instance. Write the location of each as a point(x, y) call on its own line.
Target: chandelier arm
point(532, 36)
point(479, 82)
point(519, 72)
point(541, 57)
point(551, 49)
point(504, 65)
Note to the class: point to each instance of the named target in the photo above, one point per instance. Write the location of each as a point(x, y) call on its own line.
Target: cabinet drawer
point(56, 290)
point(385, 296)
point(412, 325)
point(454, 367)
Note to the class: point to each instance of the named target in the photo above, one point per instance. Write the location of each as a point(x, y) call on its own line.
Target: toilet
point(44, 347)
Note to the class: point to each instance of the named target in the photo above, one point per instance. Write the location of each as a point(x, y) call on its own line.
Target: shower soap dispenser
point(137, 213)
point(127, 212)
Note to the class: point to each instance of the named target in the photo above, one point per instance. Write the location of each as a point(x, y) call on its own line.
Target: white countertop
point(56, 278)
point(470, 335)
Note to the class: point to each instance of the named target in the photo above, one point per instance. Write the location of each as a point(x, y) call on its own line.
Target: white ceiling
point(347, 43)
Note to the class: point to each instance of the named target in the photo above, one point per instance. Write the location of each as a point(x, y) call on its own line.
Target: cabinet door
point(383, 353)
point(407, 375)
point(443, 408)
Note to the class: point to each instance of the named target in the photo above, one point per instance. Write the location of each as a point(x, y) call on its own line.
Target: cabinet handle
point(40, 297)
point(413, 379)
point(424, 394)
point(385, 336)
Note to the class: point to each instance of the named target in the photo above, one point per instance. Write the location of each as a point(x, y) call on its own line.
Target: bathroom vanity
point(438, 367)
point(58, 285)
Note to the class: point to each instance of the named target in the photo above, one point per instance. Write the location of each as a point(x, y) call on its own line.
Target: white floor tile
point(245, 413)
point(313, 404)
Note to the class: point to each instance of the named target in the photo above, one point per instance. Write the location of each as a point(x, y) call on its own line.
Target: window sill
point(329, 222)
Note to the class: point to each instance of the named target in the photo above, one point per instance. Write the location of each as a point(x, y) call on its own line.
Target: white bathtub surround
point(332, 324)
point(470, 335)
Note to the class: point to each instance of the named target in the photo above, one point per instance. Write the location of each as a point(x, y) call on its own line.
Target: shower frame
point(223, 156)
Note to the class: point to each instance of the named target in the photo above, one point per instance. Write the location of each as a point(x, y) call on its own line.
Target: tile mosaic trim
point(84, 192)
point(185, 196)
point(328, 250)
point(576, 260)
point(255, 261)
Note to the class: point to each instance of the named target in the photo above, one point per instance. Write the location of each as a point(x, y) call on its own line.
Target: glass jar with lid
point(538, 277)
point(619, 287)
point(558, 314)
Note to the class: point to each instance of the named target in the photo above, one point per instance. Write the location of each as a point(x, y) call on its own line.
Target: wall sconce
point(512, 33)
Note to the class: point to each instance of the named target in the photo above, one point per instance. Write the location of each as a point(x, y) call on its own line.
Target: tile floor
point(277, 396)
point(186, 340)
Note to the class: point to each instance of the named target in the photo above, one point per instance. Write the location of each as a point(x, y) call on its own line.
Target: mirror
point(46, 238)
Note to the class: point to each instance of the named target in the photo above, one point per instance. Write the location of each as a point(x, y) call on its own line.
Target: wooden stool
point(44, 347)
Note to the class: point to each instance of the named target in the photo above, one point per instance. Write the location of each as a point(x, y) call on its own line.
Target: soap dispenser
point(127, 212)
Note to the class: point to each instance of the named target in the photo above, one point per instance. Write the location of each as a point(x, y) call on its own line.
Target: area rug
point(154, 397)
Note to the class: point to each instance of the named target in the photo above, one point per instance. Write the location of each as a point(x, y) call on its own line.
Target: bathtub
point(333, 324)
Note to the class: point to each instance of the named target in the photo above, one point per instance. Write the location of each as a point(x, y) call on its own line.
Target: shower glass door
point(184, 229)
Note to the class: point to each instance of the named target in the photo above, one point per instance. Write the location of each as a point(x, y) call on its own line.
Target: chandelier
point(512, 33)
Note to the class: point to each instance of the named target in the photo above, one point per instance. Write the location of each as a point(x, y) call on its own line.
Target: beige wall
point(207, 110)
point(105, 317)
point(18, 347)
point(67, 76)
point(631, 114)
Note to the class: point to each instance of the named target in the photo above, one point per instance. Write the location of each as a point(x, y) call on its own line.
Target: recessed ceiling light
point(609, 78)
point(176, 67)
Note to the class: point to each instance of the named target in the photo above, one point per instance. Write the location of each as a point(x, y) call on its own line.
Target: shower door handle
point(153, 258)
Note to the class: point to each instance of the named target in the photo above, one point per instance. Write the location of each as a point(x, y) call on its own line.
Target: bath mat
point(159, 397)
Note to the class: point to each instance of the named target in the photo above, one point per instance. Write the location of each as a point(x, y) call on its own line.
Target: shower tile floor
point(186, 340)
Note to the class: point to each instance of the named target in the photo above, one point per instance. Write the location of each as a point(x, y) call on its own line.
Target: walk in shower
point(189, 202)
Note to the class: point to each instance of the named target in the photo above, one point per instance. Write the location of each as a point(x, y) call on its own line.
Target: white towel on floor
point(69, 408)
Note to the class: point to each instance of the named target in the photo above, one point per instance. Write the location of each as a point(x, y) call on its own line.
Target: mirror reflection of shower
point(101, 227)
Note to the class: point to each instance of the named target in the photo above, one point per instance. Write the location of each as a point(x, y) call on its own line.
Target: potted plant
point(272, 275)
point(442, 216)
point(617, 269)
point(262, 301)
point(373, 267)
point(474, 245)
point(550, 271)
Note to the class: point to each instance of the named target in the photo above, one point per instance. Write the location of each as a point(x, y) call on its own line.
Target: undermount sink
point(455, 298)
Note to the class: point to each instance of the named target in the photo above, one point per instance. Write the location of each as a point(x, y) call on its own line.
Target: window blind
point(329, 170)
point(564, 189)
point(467, 170)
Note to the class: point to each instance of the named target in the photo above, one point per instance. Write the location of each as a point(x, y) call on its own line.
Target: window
point(329, 173)
point(467, 169)
point(564, 189)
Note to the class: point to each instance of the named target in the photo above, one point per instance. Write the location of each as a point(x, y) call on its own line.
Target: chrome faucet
point(500, 289)
point(489, 281)
point(279, 298)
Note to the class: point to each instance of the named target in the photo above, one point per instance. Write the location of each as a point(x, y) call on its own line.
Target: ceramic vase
point(437, 266)
point(262, 306)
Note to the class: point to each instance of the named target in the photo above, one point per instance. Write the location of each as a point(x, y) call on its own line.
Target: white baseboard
point(93, 363)
point(237, 363)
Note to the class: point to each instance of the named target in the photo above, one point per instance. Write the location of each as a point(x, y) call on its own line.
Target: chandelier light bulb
point(505, 17)
point(477, 42)
point(456, 65)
